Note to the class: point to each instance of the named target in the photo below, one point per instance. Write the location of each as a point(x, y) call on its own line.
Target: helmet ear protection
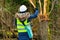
point(22, 9)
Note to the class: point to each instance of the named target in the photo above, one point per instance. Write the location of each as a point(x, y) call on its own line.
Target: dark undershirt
point(23, 22)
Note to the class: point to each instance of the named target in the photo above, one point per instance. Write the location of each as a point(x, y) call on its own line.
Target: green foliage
point(8, 1)
point(53, 15)
point(20, 1)
point(13, 5)
point(50, 24)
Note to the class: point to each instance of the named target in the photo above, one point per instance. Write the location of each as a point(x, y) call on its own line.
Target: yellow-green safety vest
point(20, 26)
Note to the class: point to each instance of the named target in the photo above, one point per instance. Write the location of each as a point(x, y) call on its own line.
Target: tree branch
point(53, 3)
point(32, 3)
point(40, 6)
point(4, 22)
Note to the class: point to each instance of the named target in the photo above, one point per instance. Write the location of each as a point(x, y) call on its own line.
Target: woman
point(23, 19)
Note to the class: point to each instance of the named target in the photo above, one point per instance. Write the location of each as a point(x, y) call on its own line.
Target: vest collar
point(25, 21)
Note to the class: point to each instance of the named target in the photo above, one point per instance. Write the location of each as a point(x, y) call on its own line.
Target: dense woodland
point(45, 27)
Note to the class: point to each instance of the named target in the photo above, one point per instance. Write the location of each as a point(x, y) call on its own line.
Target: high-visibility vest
point(21, 27)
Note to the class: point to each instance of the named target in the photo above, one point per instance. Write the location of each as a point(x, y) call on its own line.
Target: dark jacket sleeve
point(34, 15)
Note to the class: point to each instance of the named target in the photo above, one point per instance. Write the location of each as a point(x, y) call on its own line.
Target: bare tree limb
point(4, 22)
point(40, 4)
point(2, 19)
point(32, 3)
point(45, 7)
point(53, 3)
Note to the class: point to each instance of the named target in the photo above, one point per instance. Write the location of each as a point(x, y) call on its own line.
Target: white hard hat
point(22, 8)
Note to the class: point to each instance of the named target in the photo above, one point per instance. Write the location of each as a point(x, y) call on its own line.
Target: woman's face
point(24, 15)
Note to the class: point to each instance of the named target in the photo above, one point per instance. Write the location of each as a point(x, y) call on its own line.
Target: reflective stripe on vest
point(20, 26)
